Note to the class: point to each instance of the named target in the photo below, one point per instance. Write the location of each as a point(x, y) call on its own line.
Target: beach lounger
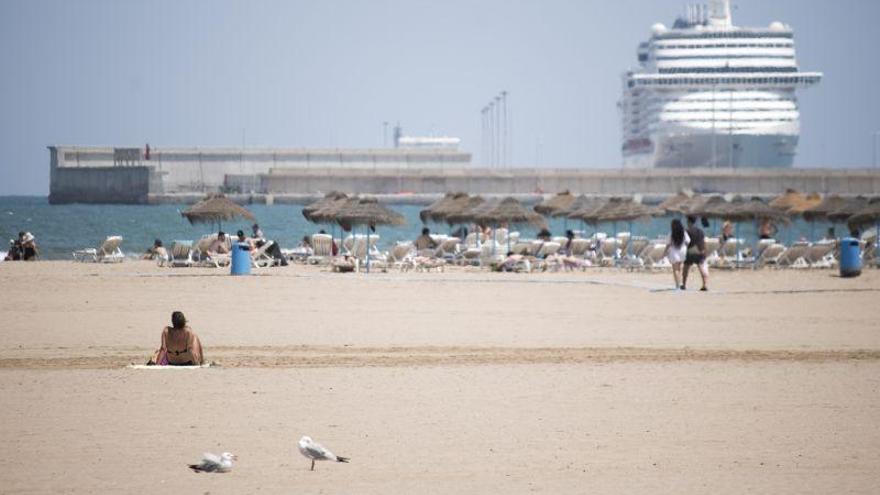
point(610, 250)
point(491, 253)
point(107, 252)
point(449, 248)
point(654, 255)
point(821, 254)
point(794, 256)
point(402, 255)
point(499, 235)
point(521, 247)
point(712, 246)
point(623, 238)
point(260, 258)
point(770, 255)
point(181, 253)
point(548, 249)
point(637, 244)
point(322, 245)
point(579, 247)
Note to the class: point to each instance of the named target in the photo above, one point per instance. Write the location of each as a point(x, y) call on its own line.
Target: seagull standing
point(317, 452)
point(212, 463)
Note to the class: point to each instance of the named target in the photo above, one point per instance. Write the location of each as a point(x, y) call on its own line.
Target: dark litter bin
point(241, 259)
point(850, 261)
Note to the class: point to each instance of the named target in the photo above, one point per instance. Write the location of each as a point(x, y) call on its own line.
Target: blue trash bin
point(850, 261)
point(241, 259)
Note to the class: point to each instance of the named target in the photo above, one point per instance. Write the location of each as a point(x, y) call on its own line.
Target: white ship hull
point(711, 94)
point(716, 151)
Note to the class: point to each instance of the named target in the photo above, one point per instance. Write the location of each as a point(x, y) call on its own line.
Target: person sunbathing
point(156, 252)
point(180, 346)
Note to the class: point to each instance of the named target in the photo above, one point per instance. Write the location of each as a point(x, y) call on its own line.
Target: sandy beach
point(456, 382)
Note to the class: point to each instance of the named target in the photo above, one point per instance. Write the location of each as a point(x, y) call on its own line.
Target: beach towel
point(167, 367)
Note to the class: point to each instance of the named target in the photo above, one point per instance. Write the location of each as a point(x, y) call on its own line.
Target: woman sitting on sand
point(180, 345)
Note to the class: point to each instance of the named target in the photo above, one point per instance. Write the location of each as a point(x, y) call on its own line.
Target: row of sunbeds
point(182, 253)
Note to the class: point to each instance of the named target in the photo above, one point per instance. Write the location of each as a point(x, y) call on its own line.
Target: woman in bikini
point(180, 345)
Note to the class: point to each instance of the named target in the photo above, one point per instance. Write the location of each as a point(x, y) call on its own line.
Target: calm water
point(61, 229)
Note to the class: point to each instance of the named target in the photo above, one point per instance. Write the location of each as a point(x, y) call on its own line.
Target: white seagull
point(317, 452)
point(212, 463)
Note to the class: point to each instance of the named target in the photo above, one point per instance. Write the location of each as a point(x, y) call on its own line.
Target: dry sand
point(457, 382)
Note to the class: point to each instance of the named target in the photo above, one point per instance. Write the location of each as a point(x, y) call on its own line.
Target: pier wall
point(601, 182)
point(185, 170)
point(124, 175)
point(129, 185)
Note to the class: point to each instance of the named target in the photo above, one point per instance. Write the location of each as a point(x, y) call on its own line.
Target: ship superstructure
point(710, 94)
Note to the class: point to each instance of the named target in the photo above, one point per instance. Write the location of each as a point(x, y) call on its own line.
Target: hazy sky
point(329, 72)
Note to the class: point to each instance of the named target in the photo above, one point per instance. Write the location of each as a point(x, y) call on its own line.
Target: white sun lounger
point(770, 254)
point(579, 246)
point(322, 245)
point(821, 254)
point(107, 252)
point(261, 258)
point(181, 253)
point(654, 254)
point(794, 256)
point(449, 247)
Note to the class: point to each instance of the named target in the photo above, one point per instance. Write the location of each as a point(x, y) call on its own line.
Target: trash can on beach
point(850, 262)
point(241, 259)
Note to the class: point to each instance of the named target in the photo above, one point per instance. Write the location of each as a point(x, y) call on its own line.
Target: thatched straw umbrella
point(367, 212)
point(809, 201)
point(555, 203)
point(628, 211)
point(331, 198)
point(465, 210)
point(681, 203)
point(324, 210)
point(509, 211)
point(848, 208)
point(788, 200)
point(754, 209)
point(822, 210)
point(216, 208)
point(594, 215)
point(433, 212)
point(869, 215)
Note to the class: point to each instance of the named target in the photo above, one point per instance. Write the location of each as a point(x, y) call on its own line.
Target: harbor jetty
point(81, 174)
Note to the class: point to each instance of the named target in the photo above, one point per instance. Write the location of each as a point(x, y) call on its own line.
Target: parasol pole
point(368, 249)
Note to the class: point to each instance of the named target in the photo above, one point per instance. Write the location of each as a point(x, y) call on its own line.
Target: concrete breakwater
point(123, 175)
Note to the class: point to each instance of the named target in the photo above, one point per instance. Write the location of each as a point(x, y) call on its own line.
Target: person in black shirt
point(696, 254)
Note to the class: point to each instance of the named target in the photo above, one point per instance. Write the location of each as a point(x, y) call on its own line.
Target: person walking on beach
point(696, 254)
point(676, 249)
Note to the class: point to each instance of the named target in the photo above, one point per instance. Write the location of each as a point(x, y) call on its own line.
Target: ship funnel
point(719, 14)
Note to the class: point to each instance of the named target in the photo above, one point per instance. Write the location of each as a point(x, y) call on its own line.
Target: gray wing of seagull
point(317, 452)
point(209, 464)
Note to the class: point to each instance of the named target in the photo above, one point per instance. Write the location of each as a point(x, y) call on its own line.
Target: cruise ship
point(711, 94)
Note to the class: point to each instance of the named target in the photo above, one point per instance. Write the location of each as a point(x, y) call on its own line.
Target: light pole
point(498, 130)
point(385, 134)
point(504, 135)
point(876, 135)
point(491, 125)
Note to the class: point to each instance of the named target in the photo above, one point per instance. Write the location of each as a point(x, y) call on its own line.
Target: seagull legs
point(313, 465)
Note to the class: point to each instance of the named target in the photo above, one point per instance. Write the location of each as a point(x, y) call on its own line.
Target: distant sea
point(61, 229)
